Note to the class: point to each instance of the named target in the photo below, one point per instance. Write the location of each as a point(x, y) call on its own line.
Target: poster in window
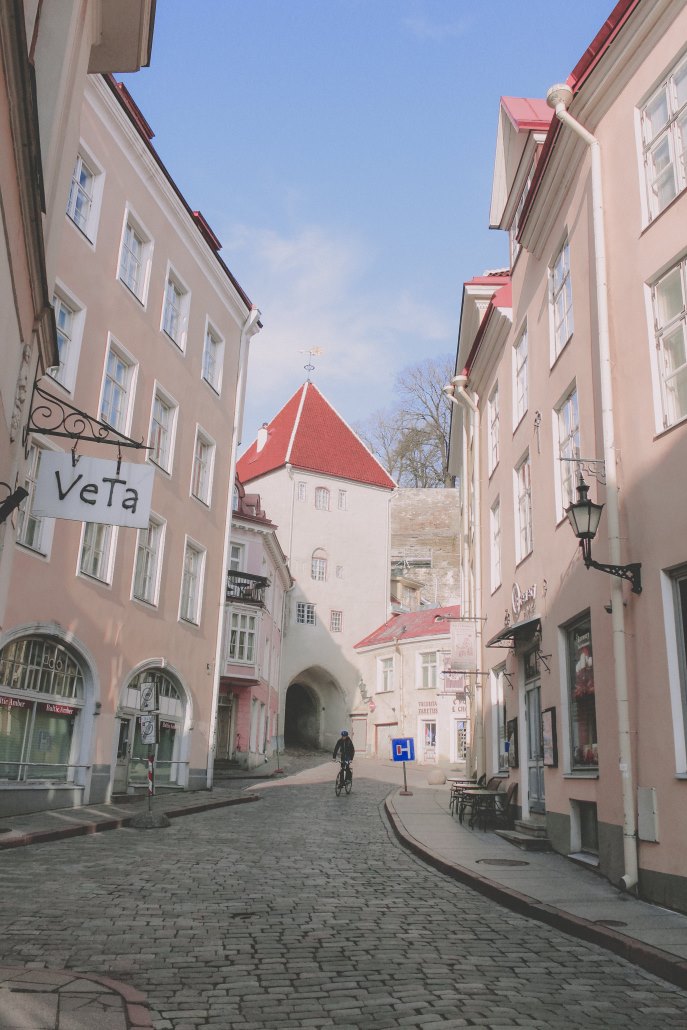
point(512, 743)
point(583, 686)
point(549, 741)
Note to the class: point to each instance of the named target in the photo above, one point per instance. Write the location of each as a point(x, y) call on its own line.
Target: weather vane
point(314, 352)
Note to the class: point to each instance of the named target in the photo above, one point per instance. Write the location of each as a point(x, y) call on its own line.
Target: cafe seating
point(461, 785)
point(504, 810)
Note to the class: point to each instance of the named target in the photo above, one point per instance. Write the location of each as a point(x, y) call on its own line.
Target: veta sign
point(93, 490)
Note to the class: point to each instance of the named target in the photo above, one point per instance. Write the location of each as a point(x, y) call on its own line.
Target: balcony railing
point(243, 586)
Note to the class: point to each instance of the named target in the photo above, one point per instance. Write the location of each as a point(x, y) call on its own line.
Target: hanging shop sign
point(463, 645)
point(84, 489)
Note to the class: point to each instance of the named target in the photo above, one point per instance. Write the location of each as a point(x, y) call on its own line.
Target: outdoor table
point(484, 802)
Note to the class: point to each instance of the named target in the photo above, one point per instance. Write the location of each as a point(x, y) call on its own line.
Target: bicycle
point(344, 778)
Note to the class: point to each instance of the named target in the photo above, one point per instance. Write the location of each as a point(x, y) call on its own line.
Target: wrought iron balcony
point(243, 586)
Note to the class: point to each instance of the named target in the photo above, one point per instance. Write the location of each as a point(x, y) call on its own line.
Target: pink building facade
point(153, 335)
point(573, 362)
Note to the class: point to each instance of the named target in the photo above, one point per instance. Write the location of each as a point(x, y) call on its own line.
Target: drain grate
point(610, 922)
point(500, 861)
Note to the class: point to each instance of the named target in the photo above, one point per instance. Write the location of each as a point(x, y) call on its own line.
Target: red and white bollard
point(151, 784)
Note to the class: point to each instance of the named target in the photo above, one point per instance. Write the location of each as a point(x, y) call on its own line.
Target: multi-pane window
point(520, 378)
point(302, 491)
point(96, 551)
point(81, 192)
point(493, 427)
point(31, 529)
point(335, 621)
point(385, 678)
point(568, 447)
point(161, 431)
point(114, 404)
point(131, 260)
point(172, 310)
point(148, 561)
point(343, 500)
point(236, 552)
point(318, 568)
point(664, 138)
point(428, 670)
point(495, 543)
point(213, 351)
point(203, 459)
point(561, 299)
point(669, 296)
point(322, 498)
point(515, 226)
point(305, 613)
point(581, 696)
point(191, 584)
point(64, 319)
point(523, 509)
point(242, 637)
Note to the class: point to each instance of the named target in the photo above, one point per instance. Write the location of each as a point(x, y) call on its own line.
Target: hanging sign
point(93, 490)
point(148, 725)
point(463, 646)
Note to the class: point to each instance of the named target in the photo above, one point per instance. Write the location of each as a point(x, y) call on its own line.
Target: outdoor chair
point(504, 810)
point(458, 788)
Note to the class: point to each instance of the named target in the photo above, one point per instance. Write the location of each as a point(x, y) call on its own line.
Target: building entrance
point(301, 717)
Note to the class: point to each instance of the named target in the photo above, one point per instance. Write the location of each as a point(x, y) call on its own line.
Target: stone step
point(535, 826)
point(525, 841)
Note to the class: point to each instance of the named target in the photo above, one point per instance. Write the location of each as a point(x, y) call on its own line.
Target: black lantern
point(584, 517)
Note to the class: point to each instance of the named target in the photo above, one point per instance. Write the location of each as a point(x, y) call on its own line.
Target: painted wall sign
point(93, 490)
point(523, 600)
point(57, 709)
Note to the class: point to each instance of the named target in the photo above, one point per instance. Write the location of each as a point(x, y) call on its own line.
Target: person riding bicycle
point(347, 748)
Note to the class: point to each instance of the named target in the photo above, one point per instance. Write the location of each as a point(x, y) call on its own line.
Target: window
point(322, 498)
point(523, 511)
point(581, 697)
point(242, 637)
point(33, 532)
point(664, 139)
point(235, 498)
point(515, 226)
point(343, 500)
point(134, 258)
point(162, 425)
point(175, 310)
point(302, 491)
point(236, 552)
point(677, 597)
point(203, 463)
point(97, 550)
point(69, 320)
point(213, 358)
point(561, 300)
point(428, 671)
point(495, 539)
point(305, 613)
point(520, 378)
point(115, 403)
point(493, 427)
point(191, 583)
point(318, 566)
point(336, 621)
point(85, 195)
point(148, 561)
point(501, 720)
point(669, 296)
point(568, 419)
point(339, 572)
point(385, 675)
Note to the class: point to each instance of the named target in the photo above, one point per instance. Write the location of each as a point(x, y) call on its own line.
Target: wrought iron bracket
point(53, 416)
point(594, 467)
point(632, 572)
point(544, 659)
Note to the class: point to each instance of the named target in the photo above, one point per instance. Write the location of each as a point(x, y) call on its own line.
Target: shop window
point(581, 699)
point(170, 704)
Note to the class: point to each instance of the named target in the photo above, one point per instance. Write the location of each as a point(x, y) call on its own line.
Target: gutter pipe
point(559, 98)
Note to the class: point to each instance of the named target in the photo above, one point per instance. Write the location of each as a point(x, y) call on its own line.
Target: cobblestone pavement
point(302, 911)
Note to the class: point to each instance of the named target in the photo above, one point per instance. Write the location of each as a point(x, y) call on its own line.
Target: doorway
point(535, 744)
point(301, 717)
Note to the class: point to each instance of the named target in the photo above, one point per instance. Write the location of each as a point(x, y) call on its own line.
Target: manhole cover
point(500, 861)
point(610, 922)
point(5, 829)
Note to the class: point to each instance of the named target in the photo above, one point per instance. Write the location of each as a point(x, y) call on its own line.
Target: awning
point(528, 627)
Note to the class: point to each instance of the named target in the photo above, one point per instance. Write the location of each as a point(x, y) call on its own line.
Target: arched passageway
point(302, 717)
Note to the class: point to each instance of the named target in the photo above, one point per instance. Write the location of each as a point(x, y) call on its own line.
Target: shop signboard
point(463, 645)
point(86, 489)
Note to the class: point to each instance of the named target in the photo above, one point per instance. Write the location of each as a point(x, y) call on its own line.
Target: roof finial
point(313, 352)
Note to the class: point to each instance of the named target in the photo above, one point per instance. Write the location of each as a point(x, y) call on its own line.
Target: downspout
point(250, 327)
point(559, 98)
point(457, 393)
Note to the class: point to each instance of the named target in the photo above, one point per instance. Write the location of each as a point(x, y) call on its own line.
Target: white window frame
point(493, 426)
point(385, 675)
point(515, 246)
point(127, 387)
point(88, 225)
point(322, 498)
point(242, 643)
point(237, 557)
point(302, 490)
point(318, 567)
point(174, 320)
point(343, 500)
point(44, 527)
point(495, 543)
point(136, 285)
point(671, 325)
point(520, 378)
point(101, 540)
point(201, 484)
point(427, 670)
point(566, 433)
point(676, 649)
point(522, 494)
point(305, 613)
point(670, 136)
point(212, 366)
point(336, 621)
point(560, 292)
point(162, 457)
point(65, 372)
point(191, 600)
point(149, 552)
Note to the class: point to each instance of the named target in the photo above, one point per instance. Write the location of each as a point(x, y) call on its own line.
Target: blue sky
point(342, 151)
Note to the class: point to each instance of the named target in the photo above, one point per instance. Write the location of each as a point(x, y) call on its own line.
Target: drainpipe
point(457, 393)
point(249, 328)
point(559, 98)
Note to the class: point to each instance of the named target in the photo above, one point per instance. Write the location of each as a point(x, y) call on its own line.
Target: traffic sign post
point(403, 750)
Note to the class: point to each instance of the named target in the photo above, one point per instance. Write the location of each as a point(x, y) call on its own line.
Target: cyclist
point(347, 748)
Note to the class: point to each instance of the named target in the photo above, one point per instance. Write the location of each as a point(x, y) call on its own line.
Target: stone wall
point(425, 541)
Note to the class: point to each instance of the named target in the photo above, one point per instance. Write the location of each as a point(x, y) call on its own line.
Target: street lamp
point(584, 516)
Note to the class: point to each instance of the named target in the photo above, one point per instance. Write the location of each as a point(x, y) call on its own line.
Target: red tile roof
point(310, 435)
point(410, 625)
point(501, 299)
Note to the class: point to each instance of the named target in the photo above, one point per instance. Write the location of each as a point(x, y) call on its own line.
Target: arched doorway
point(302, 717)
point(131, 767)
point(315, 710)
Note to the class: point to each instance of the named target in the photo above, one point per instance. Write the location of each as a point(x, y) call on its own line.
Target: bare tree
point(411, 438)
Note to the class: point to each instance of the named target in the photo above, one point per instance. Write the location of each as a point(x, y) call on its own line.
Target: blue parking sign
point(403, 749)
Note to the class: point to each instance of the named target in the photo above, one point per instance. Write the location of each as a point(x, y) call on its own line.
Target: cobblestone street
point(302, 911)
